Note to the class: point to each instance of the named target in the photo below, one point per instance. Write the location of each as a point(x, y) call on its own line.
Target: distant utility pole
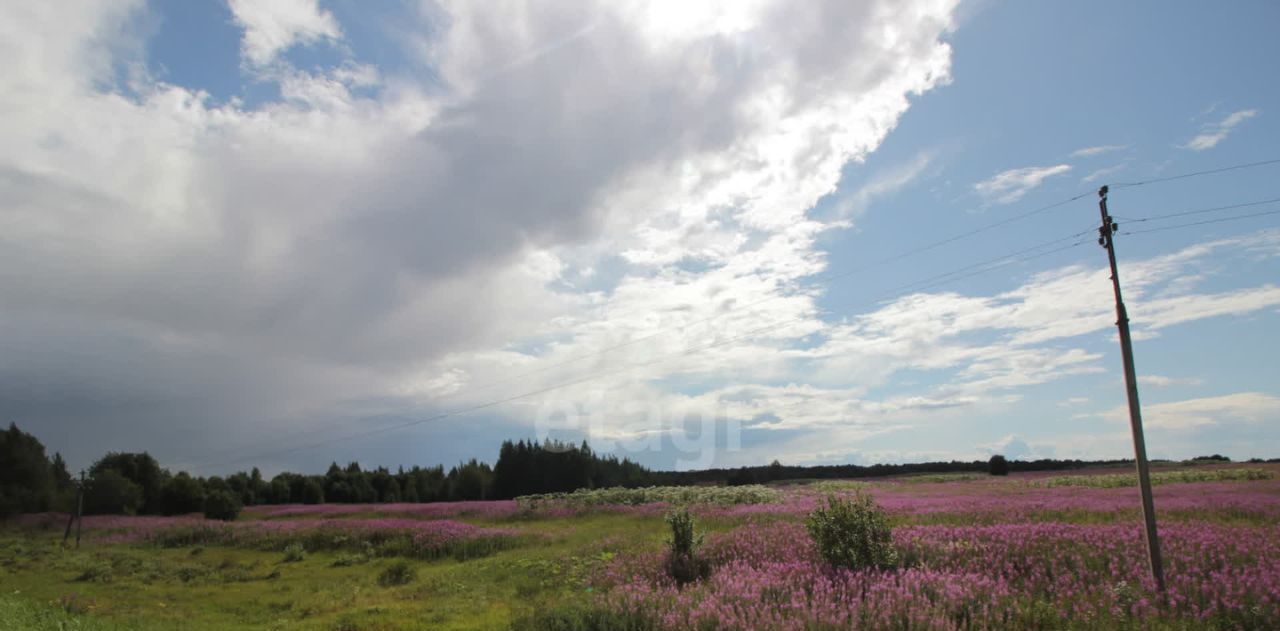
point(79, 508)
point(1105, 234)
point(73, 517)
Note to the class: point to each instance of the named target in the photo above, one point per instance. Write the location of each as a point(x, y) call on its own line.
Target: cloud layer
point(598, 212)
point(178, 268)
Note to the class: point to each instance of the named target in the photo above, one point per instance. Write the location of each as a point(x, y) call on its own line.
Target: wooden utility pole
point(79, 508)
point(1105, 234)
point(73, 515)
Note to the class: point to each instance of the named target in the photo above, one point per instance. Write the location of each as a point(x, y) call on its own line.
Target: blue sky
point(283, 233)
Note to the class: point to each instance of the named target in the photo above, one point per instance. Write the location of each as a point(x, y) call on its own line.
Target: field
point(1026, 551)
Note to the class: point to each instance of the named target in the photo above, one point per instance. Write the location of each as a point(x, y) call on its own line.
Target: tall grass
point(426, 540)
point(673, 495)
point(1160, 477)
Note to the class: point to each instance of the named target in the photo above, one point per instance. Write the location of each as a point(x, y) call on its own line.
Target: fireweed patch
point(769, 576)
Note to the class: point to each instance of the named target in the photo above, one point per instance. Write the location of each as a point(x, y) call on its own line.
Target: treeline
point(776, 471)
point(135, 483)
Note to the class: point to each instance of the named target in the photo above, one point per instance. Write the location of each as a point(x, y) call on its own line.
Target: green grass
point(120, 586)
point(214, 584)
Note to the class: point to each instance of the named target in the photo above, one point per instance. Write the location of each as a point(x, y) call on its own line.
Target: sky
point(284, 233)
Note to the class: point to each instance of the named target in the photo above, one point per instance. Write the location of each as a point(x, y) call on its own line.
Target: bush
point(683, 562)
point(294, 552)
point(221, 505)
point(852, 533)
point(348, 560)
point(998, 465)
point(398, 573)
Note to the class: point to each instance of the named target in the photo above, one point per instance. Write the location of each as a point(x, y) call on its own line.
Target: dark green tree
point(998, 465)
point(182, 494)
point(27, 480)
point(222, 505)
point(278, 491)
point(258, 487)
point(142, 470)
point(110, 492)
point(470, 481)
point(312, 492)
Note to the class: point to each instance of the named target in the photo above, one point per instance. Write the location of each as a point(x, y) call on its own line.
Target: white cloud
point(273, 26)
point(1088, 152)
point(1010, 186)
point(343, 251)
point(1104, 172)
point(884, 183)
point(1212, 134)
point(1240, 407)
point(346, 252)
point(1016, 447)
point(1161, 381)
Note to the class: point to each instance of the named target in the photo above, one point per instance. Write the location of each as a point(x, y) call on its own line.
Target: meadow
point(970, 552)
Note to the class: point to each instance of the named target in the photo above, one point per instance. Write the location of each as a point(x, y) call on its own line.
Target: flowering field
point(971, 552)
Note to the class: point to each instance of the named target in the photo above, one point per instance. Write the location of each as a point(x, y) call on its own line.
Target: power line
point(939, 279)
point(955, 275)
point(1182, 176)
point(1199, 211)
point(828, 278)
point(1203, 223)
point(1015, 254)
point(820, 279)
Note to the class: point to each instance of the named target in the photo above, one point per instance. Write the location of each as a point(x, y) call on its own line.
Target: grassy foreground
point(141, 586)
point(569, 563)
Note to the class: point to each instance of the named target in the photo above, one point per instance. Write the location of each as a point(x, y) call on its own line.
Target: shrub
point(998, 465)
point(348, 560)
point(852, 533)
point(221, 505)
point(398, 573)
point(683, 563)
point(294, 552)
point(96, 573)
point(75, 604)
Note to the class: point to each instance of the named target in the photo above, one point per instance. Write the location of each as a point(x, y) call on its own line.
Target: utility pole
point(73, 515)
point(79, 508)
point(1105, 235)
point(71, 519)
